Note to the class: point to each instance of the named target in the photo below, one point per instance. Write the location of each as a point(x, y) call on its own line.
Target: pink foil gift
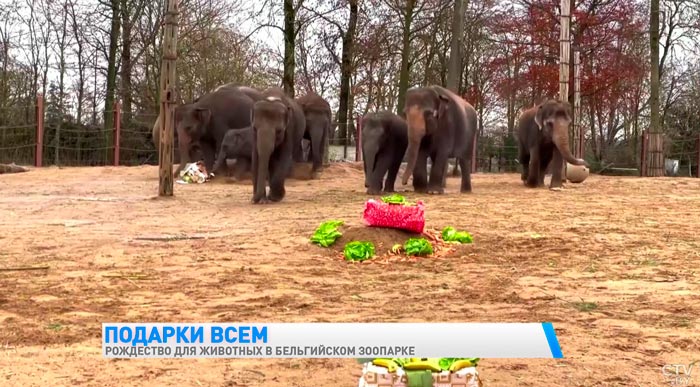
point(409, 218)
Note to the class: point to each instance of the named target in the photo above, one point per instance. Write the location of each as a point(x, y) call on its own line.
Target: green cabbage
point(449, 234)
point(358, 251)
point(418, 246)
point(327, 233)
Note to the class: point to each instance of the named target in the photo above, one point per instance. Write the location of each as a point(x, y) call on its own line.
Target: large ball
point(576, 173)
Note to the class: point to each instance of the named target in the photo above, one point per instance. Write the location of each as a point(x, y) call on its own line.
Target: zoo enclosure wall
point(30, 135)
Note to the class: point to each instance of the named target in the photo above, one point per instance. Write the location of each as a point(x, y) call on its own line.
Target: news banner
point(329, 340)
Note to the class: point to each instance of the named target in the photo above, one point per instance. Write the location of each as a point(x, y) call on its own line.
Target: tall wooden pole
point(565, 50)
point(167, 104)
point(564, 55)
point(656, 156)
point(578, 128)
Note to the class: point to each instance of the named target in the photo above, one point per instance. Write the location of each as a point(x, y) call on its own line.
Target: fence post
point(697, 171)
point(39, 154)
point(358, 142)
point(474, 154)
point(643, 158)
point(117, 130)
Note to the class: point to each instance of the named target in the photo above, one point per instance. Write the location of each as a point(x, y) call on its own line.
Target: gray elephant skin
point(237, 144)
point(441, 125)
point(384, 143)
point(202, 125)
point(192, 145)
point(543, 138)
point(318, 122)
point(278, 123)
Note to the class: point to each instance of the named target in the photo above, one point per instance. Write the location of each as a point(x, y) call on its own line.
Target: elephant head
point(270, 118)
point(423, 110)
point(553, 119)
point(190, 125)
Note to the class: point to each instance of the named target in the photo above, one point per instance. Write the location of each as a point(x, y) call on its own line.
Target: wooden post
point(358, 143)
point(117, 130)
point(167, 103)
point(643, 162)
point(697, 171)
point(39, 156)
point(565, 50)
point(578, 129)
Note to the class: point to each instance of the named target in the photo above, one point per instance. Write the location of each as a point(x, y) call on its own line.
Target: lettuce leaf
point(358, 251)
point(450, 234)
point(327, 233)
point(418, 246)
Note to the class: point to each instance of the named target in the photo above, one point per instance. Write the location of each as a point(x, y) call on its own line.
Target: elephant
point(543, 137)
point(440, 125)
point(237, 144)
point(384, 143)
point(318, 122)
point(202, 125)
point(278, 123)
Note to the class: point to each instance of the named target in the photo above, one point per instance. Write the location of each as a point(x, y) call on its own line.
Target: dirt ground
point(613, 263)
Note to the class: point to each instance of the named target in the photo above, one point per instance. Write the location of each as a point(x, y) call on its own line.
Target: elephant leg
point(183, 145)
point(278, 172)
point(380, 169)
point(220, 161)
point(545, 160)
point(524, 159)
point(316, 150)
point(420, 172)
point(557, 170)
point(455, 170)
point(394, 165)
point(465, 164)
point(533, 166)
point(208, 154)
point(437, 174)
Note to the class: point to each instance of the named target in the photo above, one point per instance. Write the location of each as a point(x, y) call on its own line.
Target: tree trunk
point(345, 73)
point(454, 66)
point(111, 76)
point(289, 45)
point(126, 64)
point(405, 55)
point(655, 132)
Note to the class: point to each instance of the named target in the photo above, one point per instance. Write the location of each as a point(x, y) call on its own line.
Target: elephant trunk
point(560, 137)
point(369, 154)
point(264, 145)
point(412, 153)
point(317, 146)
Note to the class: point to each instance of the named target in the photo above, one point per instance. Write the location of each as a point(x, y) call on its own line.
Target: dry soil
point(612, 262)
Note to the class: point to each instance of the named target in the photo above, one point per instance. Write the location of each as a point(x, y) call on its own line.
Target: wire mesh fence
point(30, 136)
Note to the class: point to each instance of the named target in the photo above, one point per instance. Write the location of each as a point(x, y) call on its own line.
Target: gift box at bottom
point(374, 376)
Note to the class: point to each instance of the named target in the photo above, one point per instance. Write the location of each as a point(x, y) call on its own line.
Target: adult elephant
point(278, 123)
point(543, 137)
point(440, 125)
point(384, 143)
point(202, 125)
point(317, 112)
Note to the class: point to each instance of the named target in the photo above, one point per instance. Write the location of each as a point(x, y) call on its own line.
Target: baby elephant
point(237, 144)
point(384, 143)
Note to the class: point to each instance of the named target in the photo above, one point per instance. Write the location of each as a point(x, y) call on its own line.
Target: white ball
point(576, 173)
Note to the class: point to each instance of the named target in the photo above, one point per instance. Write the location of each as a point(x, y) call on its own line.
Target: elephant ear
point(203, 115)
point(538, 117)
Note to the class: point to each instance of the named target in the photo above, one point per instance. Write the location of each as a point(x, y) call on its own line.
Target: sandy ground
point(612, 262)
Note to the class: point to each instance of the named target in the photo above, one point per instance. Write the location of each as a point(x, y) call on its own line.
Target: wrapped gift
point(399, 216)
point(375, 376)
